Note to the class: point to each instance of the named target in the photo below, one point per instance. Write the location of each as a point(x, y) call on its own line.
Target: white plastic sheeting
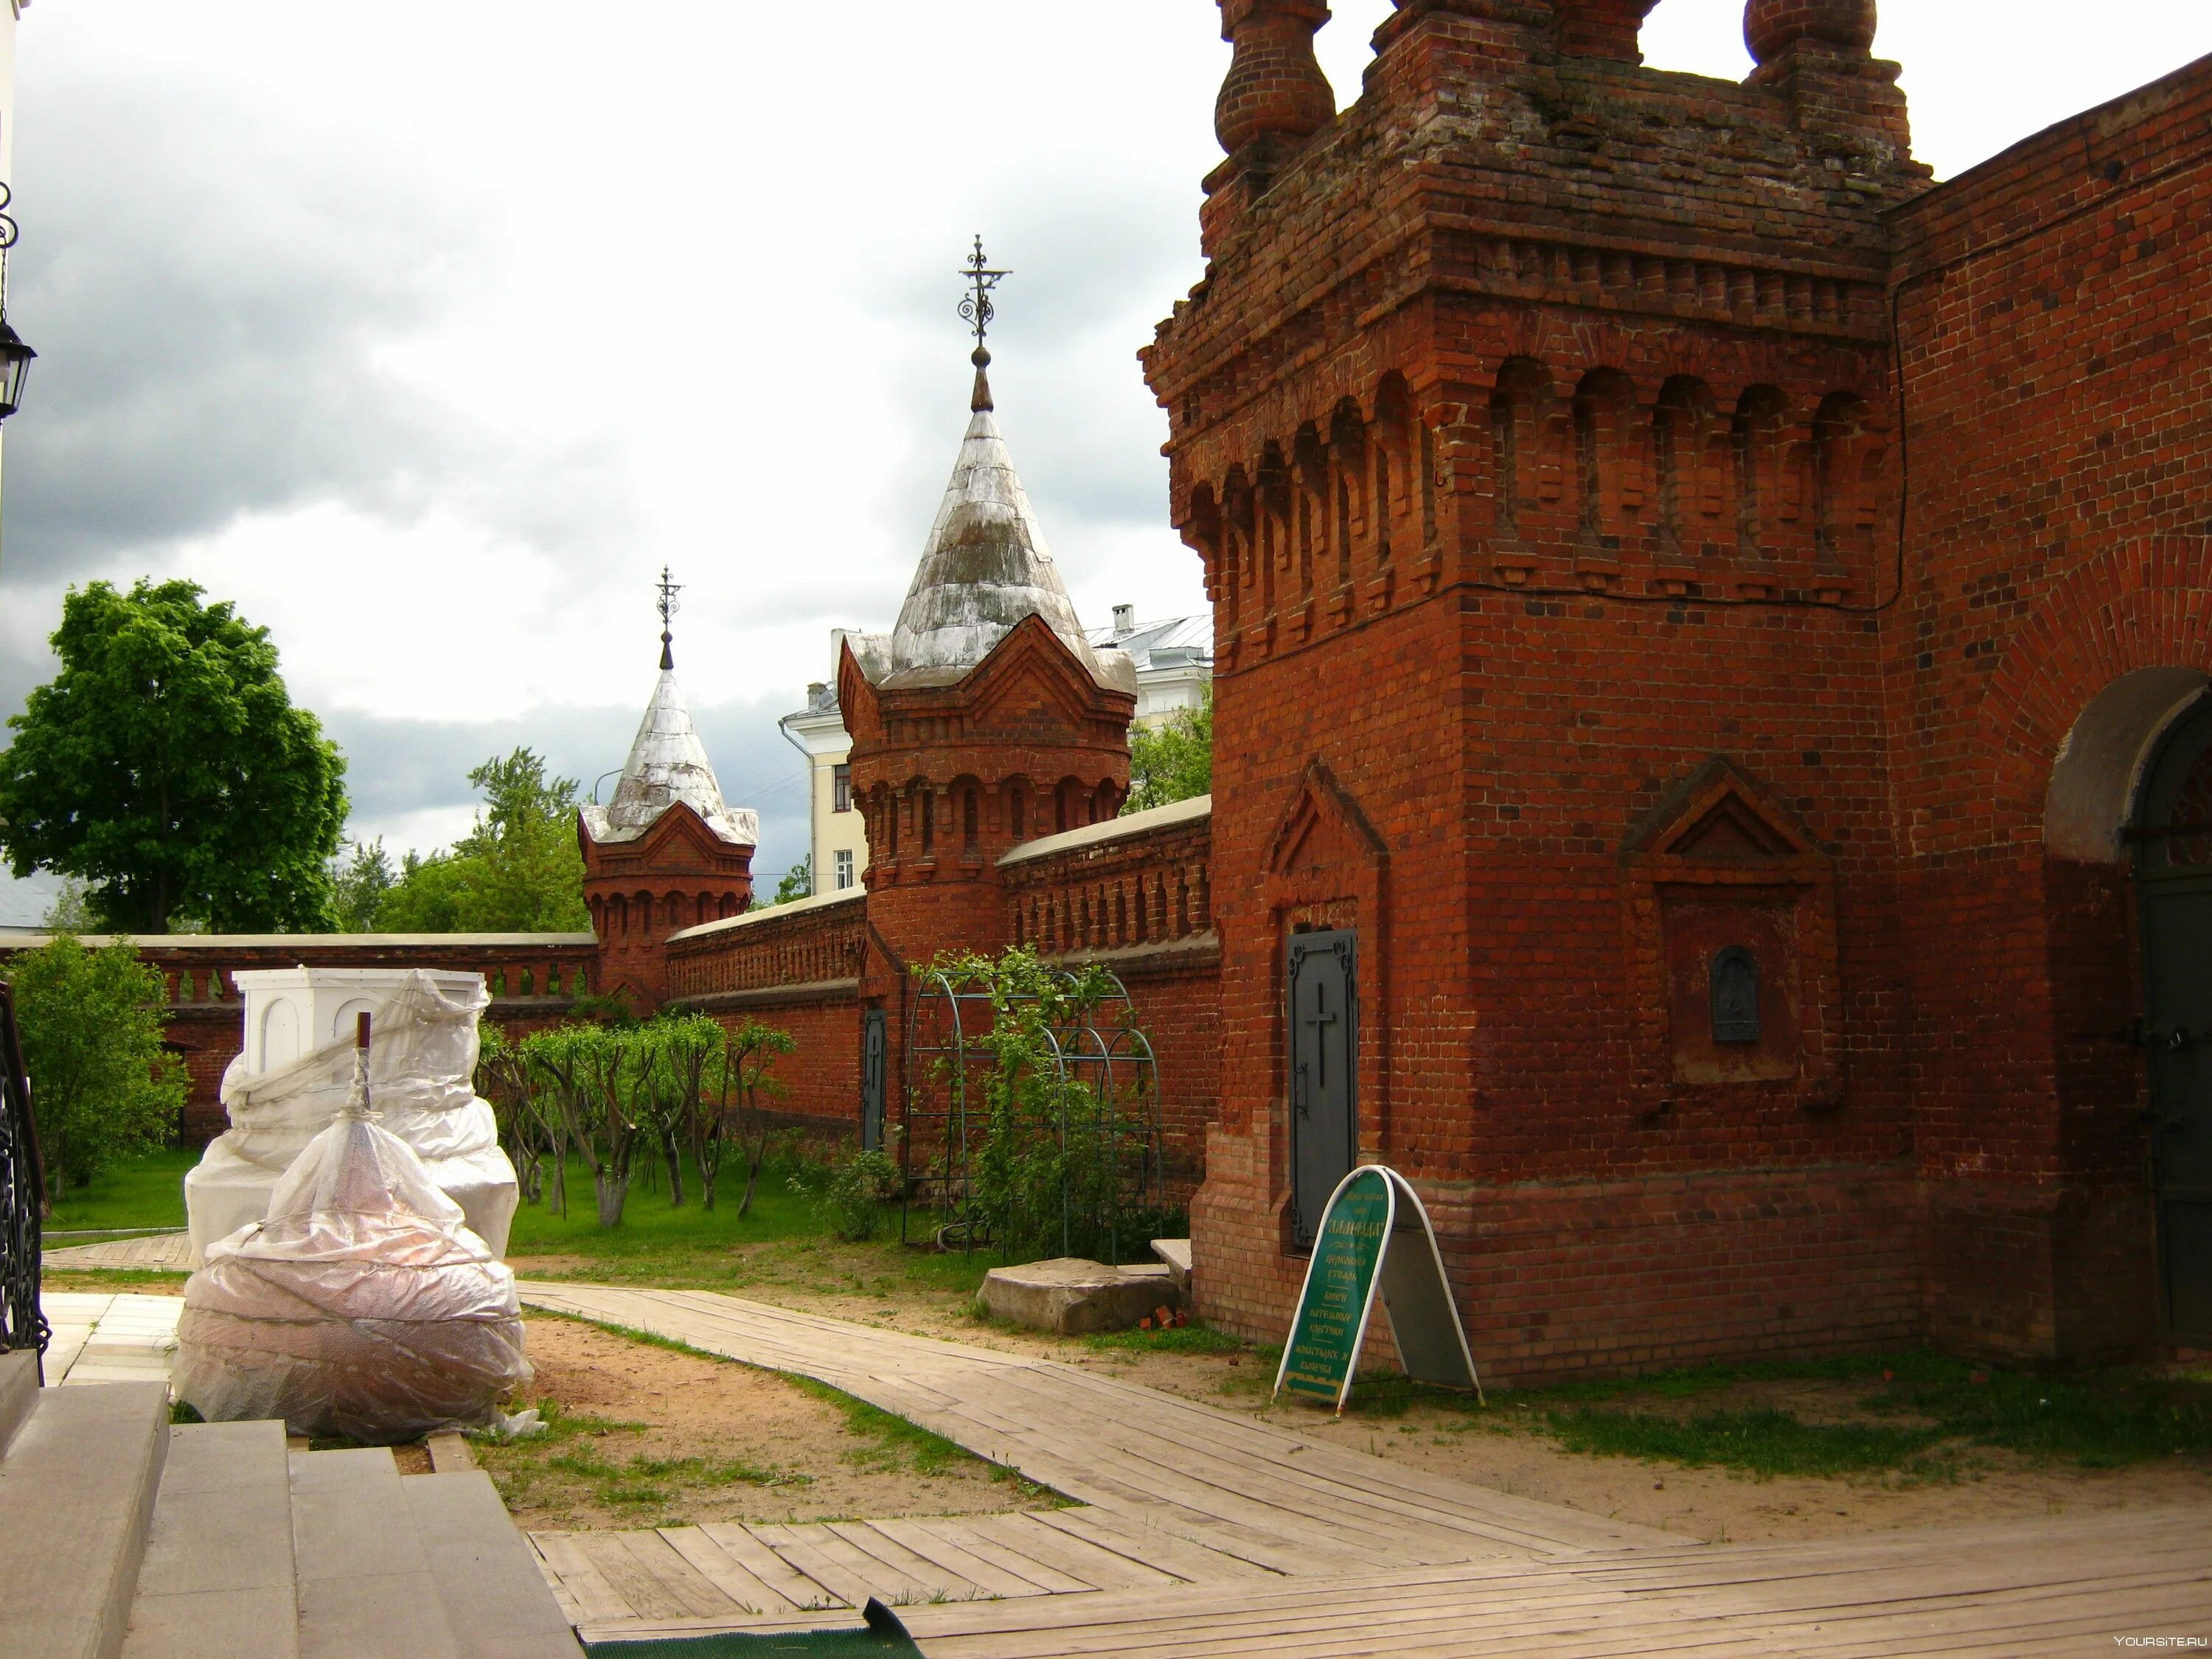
point(363, 1307)
point(422, 1060)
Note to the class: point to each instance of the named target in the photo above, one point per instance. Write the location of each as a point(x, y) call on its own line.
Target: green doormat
point(882, 1634)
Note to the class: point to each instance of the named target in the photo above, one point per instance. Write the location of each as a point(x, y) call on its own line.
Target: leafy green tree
point(518, 871)
point(358, 886)
point(1173, 761)
point(798, 882)
point(165, 766)
point(103, 1087)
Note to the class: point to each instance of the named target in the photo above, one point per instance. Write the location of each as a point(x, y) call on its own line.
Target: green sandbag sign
point(1374, 1235)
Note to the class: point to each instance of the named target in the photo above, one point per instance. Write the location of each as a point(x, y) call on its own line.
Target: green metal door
point(2174, 875)
point(1322, 981)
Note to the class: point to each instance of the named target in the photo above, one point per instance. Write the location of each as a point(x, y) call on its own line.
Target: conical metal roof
point(668, 763)
point(985, 568)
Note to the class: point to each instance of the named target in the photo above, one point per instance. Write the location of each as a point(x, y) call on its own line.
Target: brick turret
point(1531, 424)
point(985, 718)
point(666, 853)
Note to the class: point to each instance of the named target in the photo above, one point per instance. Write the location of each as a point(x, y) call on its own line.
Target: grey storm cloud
point(211, 298)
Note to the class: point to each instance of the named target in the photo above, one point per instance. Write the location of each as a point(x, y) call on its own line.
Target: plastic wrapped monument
point(294, 1074)
point(363, 1307)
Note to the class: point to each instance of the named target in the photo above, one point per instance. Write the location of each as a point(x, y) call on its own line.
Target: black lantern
point(14, 356)
point(15, 368)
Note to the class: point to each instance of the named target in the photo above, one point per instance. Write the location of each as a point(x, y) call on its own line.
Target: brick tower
point(1531, 422)
point(985, 718)
point(665, 852)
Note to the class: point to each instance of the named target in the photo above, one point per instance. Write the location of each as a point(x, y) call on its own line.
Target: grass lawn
point(1909, 1415)
point(779, 1244)
point(147, 1192)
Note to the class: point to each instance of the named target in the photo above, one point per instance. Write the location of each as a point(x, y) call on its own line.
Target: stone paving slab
point(100, 1337)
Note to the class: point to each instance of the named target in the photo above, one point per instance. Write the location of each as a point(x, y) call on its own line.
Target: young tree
point(358, 887)
point(1173, 761)
point(518, 871)
point(103, 1087)
point(748, 1053)
point(595, 1074)
point(71, 911)
point(165, 766)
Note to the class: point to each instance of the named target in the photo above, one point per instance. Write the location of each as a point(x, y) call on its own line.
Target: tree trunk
point(673, 1155)
point(610, 1190)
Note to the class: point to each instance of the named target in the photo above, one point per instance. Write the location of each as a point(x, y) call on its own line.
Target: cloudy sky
point(428, 335)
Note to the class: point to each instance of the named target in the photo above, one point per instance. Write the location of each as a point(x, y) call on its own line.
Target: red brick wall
point(2059, 366)
point(1533, 474)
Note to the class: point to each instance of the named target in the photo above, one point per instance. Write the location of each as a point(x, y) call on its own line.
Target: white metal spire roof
point(985, 569)
point(668, 763)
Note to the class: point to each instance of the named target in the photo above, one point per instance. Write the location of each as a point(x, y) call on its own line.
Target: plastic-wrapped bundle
point(421, 1064)
point(362, 1307)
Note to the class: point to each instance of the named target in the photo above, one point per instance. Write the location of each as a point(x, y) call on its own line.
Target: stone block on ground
point(1175, 1252)
point(1070, 1295)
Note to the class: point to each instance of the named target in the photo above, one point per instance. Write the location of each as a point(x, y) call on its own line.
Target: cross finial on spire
point(668, 607)
point(979, 311)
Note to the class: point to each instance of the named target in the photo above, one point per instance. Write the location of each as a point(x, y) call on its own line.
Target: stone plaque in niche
point(1733, 978)
point(1736, 995)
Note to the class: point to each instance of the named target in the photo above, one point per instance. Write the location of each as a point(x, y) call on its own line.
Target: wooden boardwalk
point(1198, 1531)
point(2016, 1592)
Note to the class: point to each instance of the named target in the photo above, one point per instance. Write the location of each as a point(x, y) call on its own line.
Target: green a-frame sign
point(1375, 1235)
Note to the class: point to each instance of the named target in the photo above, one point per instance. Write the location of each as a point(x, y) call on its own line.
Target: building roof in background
point(1177, 642)
point(668, 763)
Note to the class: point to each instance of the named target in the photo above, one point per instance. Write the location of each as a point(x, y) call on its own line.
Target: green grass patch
point(1765, 1442)
point(2104, 1420)
point(894, 1444)
point(1180, 1338)
point(580, 1456)
point(2097, 1420)
point(147, 1192)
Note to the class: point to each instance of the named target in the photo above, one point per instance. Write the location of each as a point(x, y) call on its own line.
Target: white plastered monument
point(292, 1078)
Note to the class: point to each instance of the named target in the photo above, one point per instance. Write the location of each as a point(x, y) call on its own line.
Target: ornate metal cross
point(976, 309)
point(1321, 1020)
point(668, 607)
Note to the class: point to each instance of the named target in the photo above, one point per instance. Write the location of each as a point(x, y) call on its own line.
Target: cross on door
point(1319, 1017)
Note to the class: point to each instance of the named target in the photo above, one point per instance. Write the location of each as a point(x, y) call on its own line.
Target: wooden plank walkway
point(1200, 1532)
point(2047, 1588)
point(1173, 1493)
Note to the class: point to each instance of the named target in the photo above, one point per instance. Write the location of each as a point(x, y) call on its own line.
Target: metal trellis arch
point(1105, 1084)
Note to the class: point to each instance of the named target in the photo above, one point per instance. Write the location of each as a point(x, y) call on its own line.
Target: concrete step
point(217, 1581)
point(496, 1600)
point(19, 1392)
point(77, 1488)
point(365, 1585)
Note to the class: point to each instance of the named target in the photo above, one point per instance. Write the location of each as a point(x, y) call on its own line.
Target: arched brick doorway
point(2174, 892)
point(2109, 1290)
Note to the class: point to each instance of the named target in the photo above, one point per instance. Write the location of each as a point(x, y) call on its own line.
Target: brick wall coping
point(306, 941)
point(2049, 175)
point(1193, 948)
point(1135, 824)
point(768, 996)
point(773, 912)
